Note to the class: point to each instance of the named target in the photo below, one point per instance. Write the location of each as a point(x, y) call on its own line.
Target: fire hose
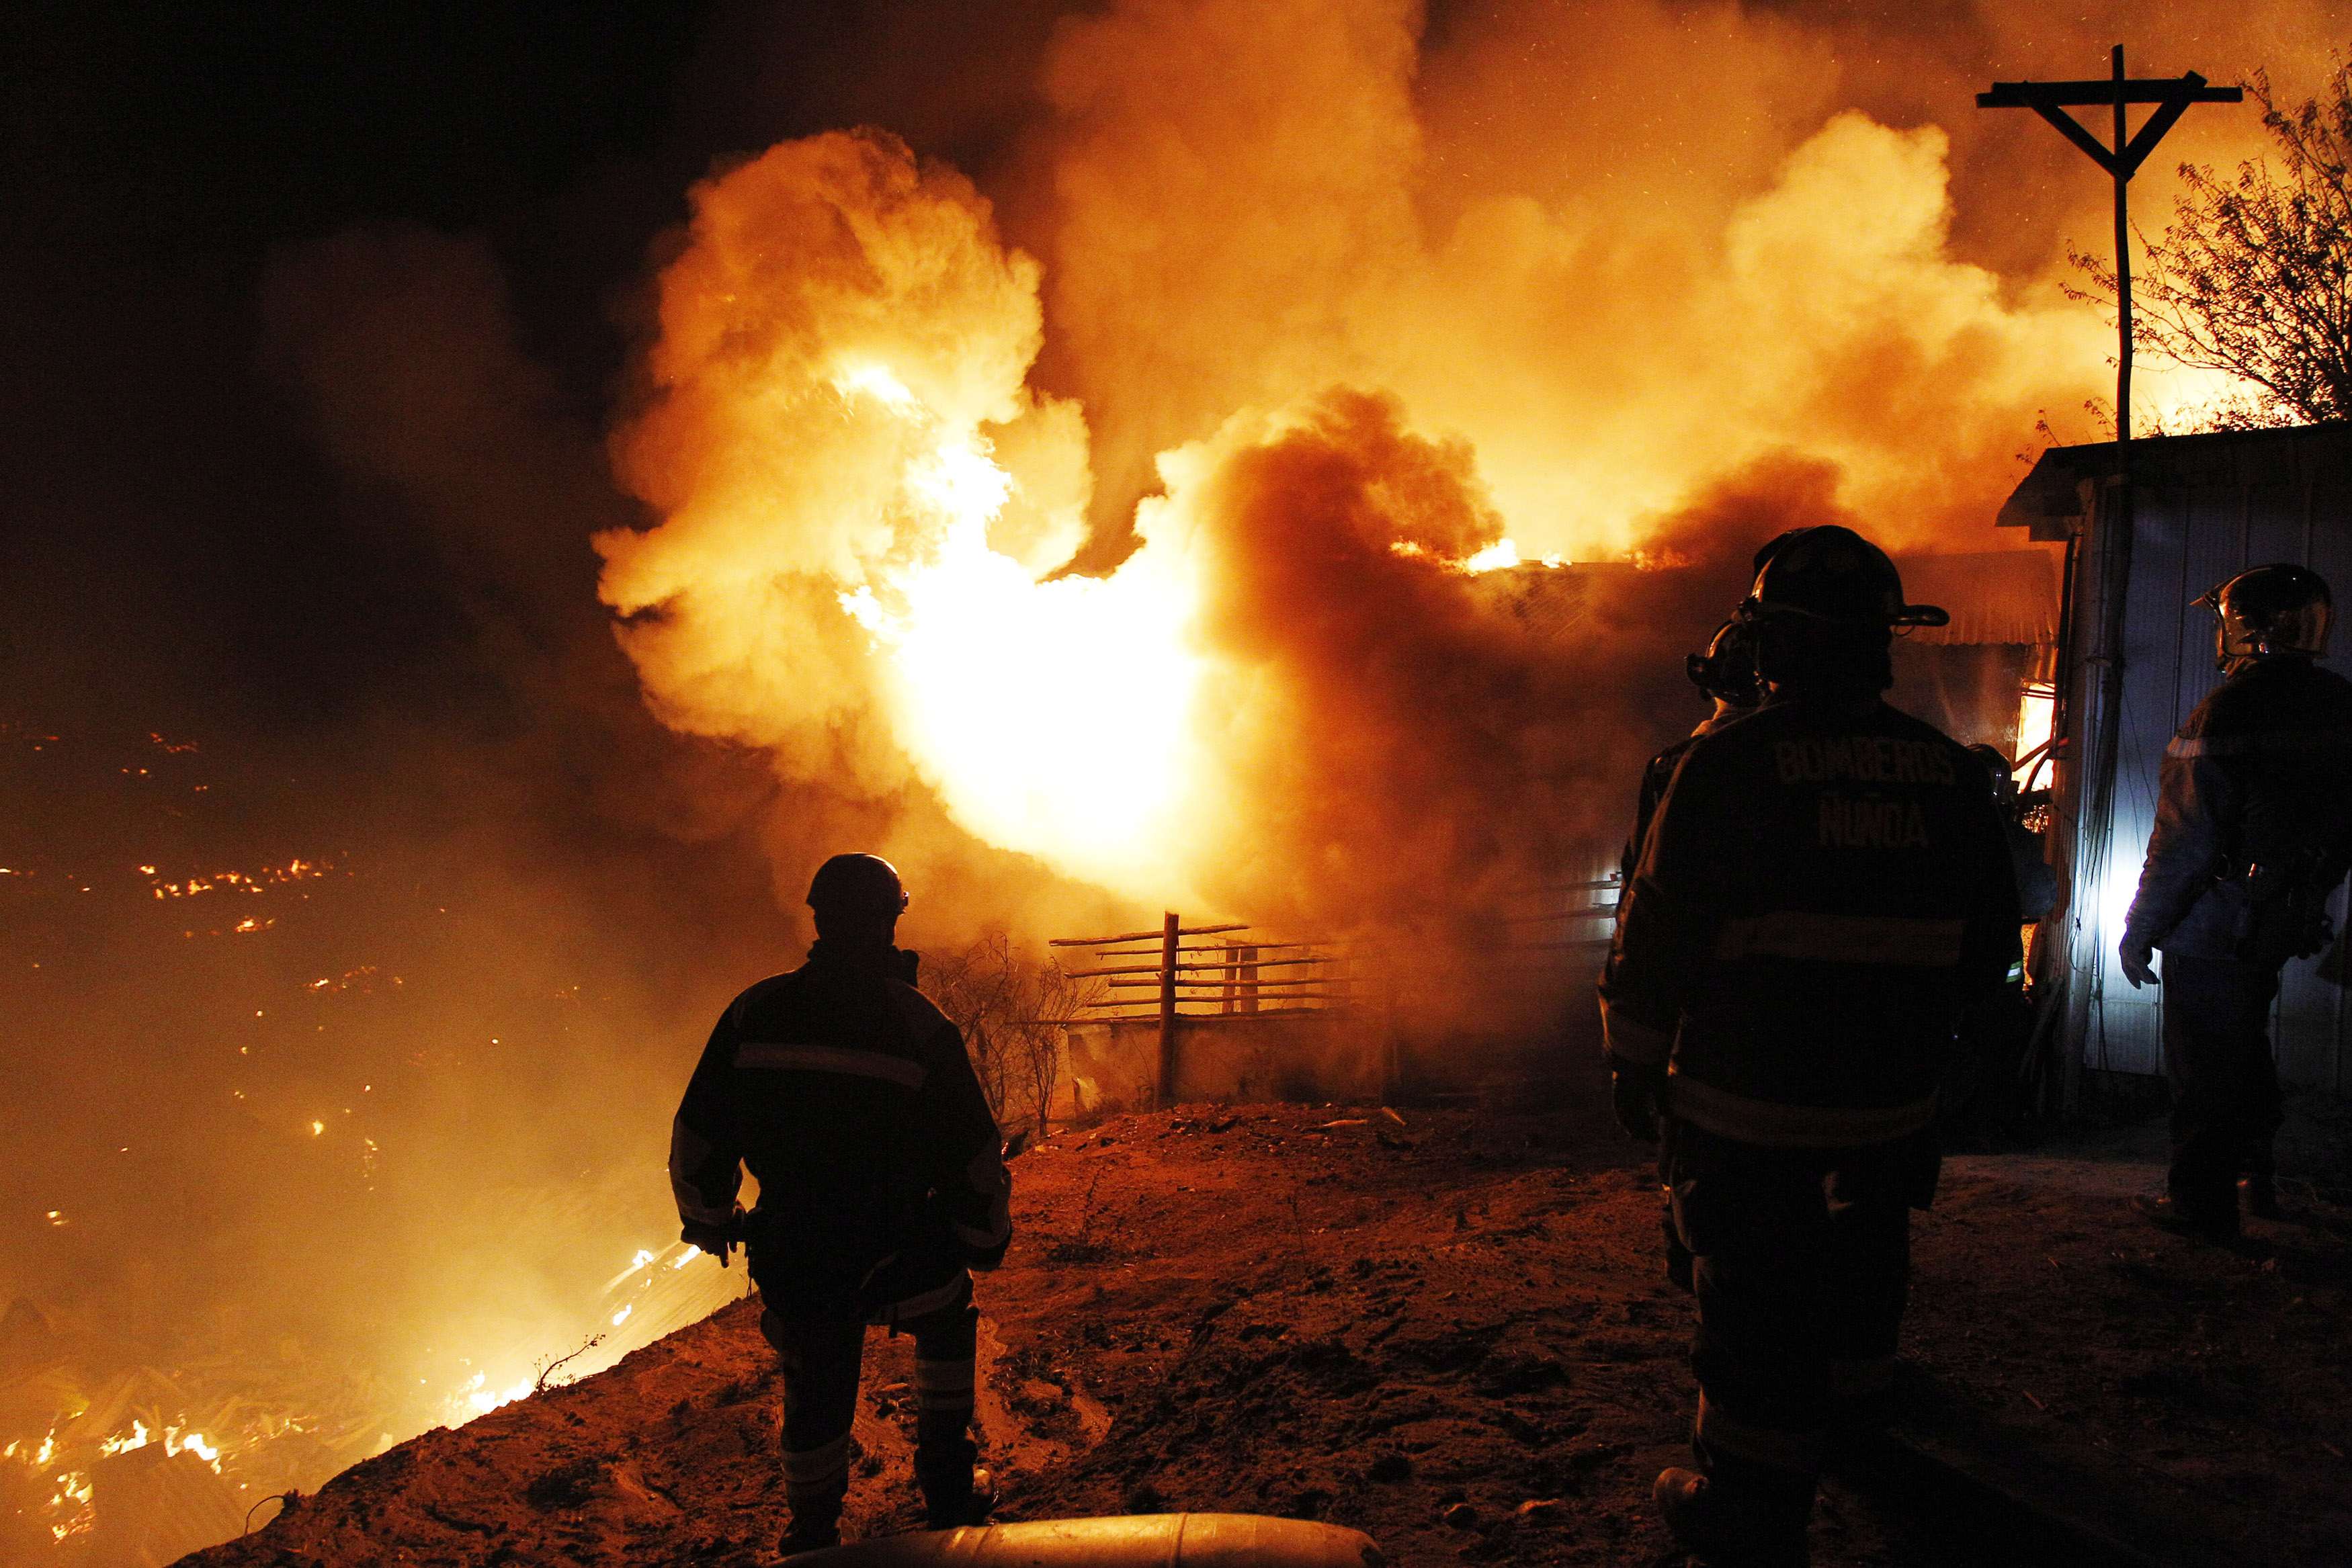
point(1139, 1541)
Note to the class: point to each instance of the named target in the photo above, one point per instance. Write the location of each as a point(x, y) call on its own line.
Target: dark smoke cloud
point(1413, 750)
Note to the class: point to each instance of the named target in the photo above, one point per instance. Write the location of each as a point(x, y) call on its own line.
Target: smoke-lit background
point(333, 337)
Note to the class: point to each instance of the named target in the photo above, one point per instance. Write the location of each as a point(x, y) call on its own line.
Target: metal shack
point(2203, 507)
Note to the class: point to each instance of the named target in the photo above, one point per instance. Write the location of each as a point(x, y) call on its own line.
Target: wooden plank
point(1142, 935)
point(2104, 90)
point(1269, 987)
point(1201, 969)
point(1153, 951)
point(2068, 127)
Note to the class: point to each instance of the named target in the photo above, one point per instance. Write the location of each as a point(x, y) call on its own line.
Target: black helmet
point(1727, 670)
point(859, 884)
point(2278, 608)
point(1833, 574)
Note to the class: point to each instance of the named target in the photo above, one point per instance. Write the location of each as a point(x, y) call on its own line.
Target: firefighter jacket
point(1823, 895)
point(849, 1095)
point(2260, 776)
point(1655, 775)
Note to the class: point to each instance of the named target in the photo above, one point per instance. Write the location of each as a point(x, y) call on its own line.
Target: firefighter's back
point(2284, 727)
point(829, 1072)
point(1847, 850)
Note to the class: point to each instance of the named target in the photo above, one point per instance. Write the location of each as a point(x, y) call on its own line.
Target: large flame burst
point(1049, 715)
point(863, 503)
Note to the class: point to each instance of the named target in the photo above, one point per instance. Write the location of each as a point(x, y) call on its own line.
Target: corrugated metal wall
point(2207, 506)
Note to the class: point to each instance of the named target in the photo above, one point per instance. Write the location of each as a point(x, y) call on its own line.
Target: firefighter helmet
point(1727, 670)
point(859, 884)
point(1828, 573)
point(2277, 609)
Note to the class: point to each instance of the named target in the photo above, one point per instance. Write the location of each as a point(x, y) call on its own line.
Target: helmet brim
point(1908, 615)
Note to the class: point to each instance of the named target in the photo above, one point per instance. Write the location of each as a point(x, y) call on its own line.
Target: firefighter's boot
point(955, 1495)
point(817, 1483)
point(815, 1525)
point(1734, 1526)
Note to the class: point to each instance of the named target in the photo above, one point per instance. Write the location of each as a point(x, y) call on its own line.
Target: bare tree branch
point(1009, 1008)
point(2254, 277)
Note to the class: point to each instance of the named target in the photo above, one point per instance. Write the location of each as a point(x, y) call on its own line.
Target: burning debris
point(261, 880)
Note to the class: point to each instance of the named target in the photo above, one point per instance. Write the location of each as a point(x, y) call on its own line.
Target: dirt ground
point(1449, 1330)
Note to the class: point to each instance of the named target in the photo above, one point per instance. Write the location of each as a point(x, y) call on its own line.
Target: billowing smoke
point(846, 458)
point(1301, 699)
point(1624, 248)
point(1327, 360)
point(1339, 324)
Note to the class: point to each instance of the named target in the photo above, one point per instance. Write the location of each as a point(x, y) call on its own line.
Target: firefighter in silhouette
point(2253, 830)
point(1822, 900)
point(882, 1183)
point(1727, 673)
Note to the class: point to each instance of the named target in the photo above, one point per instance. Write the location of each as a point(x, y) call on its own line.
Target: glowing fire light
point(874, 380)
point(485, 1399)
point(121, 1444)
point(916, 481)
point(988, 663)
point(2037, 711)
point(268, 877)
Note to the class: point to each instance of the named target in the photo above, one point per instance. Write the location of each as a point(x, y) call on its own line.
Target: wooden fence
point(1183, 977)
point(1207, 974)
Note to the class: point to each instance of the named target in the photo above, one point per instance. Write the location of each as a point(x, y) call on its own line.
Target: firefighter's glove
point(718, 1240)
point(2138, 960)
point(1640, 1096)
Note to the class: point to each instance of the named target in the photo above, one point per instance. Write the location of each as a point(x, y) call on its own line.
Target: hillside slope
point(1325, 1313)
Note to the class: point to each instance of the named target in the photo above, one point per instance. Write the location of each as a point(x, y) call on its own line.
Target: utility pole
point(2171, 96)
